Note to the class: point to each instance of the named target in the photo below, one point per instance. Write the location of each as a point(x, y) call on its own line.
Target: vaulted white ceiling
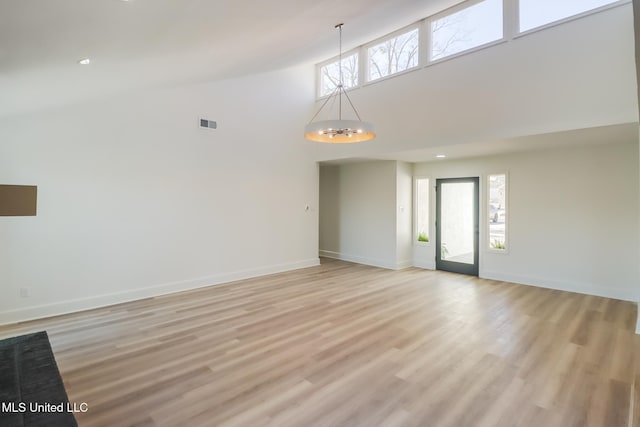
point(139, 43)
point(145, 43)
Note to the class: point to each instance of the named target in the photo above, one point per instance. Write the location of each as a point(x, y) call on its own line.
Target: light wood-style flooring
point(350, 345)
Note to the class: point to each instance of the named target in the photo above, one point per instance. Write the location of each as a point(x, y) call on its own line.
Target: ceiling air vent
point(209, 124)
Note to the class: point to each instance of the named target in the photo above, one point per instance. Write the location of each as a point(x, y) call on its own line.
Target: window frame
point(365, 49)
point(319, 66)
point(453, 10)
point(487, 202)
point(516, 18)
point(510, 32)
point(414, 236)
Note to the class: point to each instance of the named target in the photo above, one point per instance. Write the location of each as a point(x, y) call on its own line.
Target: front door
point(457, 225)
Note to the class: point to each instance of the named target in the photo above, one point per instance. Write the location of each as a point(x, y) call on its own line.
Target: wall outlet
point(24, 292)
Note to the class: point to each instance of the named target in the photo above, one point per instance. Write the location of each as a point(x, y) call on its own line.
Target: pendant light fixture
point(339, 131)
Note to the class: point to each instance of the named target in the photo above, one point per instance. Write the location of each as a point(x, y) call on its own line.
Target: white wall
point(134, 199)
point(573, 217)
point(358, 213)
point(404, 220)
point(580, 74)
point(329, 209)
point(366, 212)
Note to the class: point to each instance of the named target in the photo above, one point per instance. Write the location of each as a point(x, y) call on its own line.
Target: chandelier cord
point(341, 85)
point(325, 103)
point(351, 103)
point(339, 88)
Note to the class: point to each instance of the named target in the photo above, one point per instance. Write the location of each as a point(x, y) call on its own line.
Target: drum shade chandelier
point(339, 131)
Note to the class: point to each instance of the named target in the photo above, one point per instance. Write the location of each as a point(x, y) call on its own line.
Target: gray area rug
point(30, 384)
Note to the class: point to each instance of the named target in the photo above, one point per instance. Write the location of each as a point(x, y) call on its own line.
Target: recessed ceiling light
point(441, 156)
point(84, 61)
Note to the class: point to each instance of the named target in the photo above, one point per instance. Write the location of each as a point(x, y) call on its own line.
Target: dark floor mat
point(30, 385)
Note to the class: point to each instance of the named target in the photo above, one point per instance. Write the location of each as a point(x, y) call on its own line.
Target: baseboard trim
point(632, 401)
point(587, 289)
point(83, 304)
point(389, 265)
point(401, 265)
point(427, 265)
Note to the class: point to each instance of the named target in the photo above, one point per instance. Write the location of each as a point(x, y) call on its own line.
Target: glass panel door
point(457, 225)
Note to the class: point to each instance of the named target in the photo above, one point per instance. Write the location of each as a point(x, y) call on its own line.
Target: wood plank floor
point(349, 345)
